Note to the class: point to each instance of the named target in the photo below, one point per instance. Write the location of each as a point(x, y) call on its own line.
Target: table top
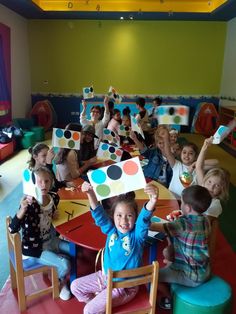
point(76, 224)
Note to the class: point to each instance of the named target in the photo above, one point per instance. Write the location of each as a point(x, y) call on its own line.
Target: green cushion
point(39, 133)
point(28, 140)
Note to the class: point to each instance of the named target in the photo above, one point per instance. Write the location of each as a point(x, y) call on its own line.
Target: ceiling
point(193, 10)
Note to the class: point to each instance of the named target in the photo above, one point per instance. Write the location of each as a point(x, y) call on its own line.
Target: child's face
point(188, 155)
point(40, 159)
point(117, 116)
point(126, 121)
point(95, 114)
point(213, 184)
point(160, 144)
point(173, 138)
point(86, 137)
point(124, 217)
point(44, 182)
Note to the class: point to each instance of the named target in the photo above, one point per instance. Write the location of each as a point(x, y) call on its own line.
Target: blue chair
point(19, 270)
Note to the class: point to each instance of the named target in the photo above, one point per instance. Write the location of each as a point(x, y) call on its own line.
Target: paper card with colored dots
point(156, 234)
point(109, 152)
point(88, 92)
point(221, 133)
point(117, 179)
point(135, 126)
point(65, 138)
point(111, 137)
point(112, 93)
point(172, 115)
point(124, 130)
point(30, 186)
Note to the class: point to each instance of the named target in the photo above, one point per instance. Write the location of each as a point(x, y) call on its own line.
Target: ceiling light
point(121, 18)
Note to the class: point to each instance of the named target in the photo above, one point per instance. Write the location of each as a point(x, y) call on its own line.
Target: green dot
point(113, 156)
point(177, 119)
point(103, 190)
point(71, 144)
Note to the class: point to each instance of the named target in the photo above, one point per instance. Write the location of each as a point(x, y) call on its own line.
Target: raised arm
point(106, 116)
point(164, 133)
point(200, 163)
point(139, 145)
point(83, 119)
point(88, 189)
point(153, 193)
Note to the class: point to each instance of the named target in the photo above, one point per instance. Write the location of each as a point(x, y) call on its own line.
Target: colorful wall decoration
point(172, 115)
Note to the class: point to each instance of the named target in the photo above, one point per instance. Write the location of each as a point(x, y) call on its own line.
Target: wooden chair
point(144, 301)
point(19, 270)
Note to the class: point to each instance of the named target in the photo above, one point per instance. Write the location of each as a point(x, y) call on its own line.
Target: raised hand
point(153, 193)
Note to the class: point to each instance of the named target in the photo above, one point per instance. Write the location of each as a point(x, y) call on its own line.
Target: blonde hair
point(224, 176)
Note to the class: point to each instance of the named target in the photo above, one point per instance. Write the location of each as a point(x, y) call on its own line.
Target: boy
point(189, 234)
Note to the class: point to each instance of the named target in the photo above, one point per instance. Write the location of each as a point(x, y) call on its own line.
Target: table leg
point(73, 255)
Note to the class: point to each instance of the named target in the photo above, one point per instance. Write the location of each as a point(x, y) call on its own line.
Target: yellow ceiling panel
point(193, 6)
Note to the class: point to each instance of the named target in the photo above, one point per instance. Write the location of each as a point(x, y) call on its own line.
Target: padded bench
point(6, 150)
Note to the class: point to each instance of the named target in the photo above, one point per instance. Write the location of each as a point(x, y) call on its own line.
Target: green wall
point(137, 57)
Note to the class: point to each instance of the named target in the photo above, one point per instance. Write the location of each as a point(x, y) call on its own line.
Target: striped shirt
point(190, 239)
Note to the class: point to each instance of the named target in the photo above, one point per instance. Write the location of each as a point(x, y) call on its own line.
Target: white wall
point(228, 83)
point(20, 65)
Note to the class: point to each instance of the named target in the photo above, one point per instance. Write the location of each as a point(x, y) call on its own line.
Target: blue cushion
point(28, 263)
point(214, 292)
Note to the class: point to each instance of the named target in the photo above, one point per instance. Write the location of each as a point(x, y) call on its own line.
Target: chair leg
point(13, 277)
point(55, 283)
point(21, 291)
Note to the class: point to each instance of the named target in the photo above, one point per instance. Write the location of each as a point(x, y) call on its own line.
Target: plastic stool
point(39, 133)
point(28, 140)
point(213, 297)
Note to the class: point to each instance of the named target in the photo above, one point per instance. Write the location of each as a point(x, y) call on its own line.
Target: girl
point(68, 163)
point(216, 180)
point(38, 240)
point(42, 155)
point(115, 122)
point(158, 167)
point(123, 250)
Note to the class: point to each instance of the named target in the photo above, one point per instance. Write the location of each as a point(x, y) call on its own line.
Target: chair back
point(131, 278)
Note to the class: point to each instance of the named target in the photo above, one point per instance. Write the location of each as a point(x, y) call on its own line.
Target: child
point(143, 120)
point(158, 167)
point(126, 235)
point(68, 160)
point(157, 101)
point(216, 180)
point(189, 234)
point(35, 220)
point(96, 113)
point(115, 122)
point(42, 155)
point(174, 145)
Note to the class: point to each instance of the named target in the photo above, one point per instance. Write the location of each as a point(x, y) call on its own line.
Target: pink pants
point(92, 290)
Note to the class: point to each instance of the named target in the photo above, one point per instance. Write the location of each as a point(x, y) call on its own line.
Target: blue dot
point(59, 133)
point(26, 175)
point(86, 90)
point(106, 131)
point(155, 219)
point(222, 129)
point(104, 147)
point(161, 111)
point(98, 176)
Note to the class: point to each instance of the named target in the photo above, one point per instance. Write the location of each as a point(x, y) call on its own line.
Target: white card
point(172, 114)
point(109, 152)
point(112, 93)
point(30, 186)
point(117, 179)
point(88, 92)
point(221, 133)
point(65, 138)
point(124, 130)
point(111, 137)
point(135, 126)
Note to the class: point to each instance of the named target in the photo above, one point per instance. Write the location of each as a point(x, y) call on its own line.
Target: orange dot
point(75, 136)
point(182, 111)
point(119, 152)
point(130, 167)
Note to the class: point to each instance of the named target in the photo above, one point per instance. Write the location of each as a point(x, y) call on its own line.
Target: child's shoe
point(165, 303)
point(65, 293)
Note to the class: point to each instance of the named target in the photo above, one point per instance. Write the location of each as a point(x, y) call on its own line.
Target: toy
point(174, 215)
point(186, 178)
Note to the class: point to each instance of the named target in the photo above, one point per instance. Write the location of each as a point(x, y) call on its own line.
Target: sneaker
point(165, 303)
point(65, 293)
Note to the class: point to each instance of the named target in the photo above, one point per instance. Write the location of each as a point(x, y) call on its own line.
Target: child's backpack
point(206, 119)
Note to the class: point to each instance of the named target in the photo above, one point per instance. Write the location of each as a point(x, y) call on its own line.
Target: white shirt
point(215, 208)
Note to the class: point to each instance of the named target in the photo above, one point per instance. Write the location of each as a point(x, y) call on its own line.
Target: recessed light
point(121, 18)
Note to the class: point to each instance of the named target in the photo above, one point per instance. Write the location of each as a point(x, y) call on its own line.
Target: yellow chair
point(145, 300)
point(19, 270)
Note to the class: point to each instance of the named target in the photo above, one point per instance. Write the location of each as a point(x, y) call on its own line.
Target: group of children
point(199, 185)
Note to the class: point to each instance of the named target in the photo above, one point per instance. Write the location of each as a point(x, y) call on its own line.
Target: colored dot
point(106, 131)
point(59, 133)
point(222, 129)
point(62, 142)
point(86, 90)
point(26, 175)
point(122, 127)
point(171, 111)
point(76, 136)
point(106, 154)
point(71, 144)
point(98, 176)
point(177, 119)
point(33, 178)
point(91, 89)
point(166, 120)
point(67, 134)
point(182, 111)
point(130, 167)
point(161, 111)
point(103, 190)
point(117, 187)
point(119, 152)
point(113, 134)
point(114, 172)
point(104, 147)
point(155, 219)
point(126, 128)
point(112, 149)
point(113, 156)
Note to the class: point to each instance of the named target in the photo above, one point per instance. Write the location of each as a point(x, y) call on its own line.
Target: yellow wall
point(137, 57)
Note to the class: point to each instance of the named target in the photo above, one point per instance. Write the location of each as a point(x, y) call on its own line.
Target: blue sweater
point(123, 251)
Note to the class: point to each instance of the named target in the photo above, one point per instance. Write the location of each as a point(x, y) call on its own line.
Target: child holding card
point(35, 220)
point(115, 121)
point(126, 234)
point(216, 180)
